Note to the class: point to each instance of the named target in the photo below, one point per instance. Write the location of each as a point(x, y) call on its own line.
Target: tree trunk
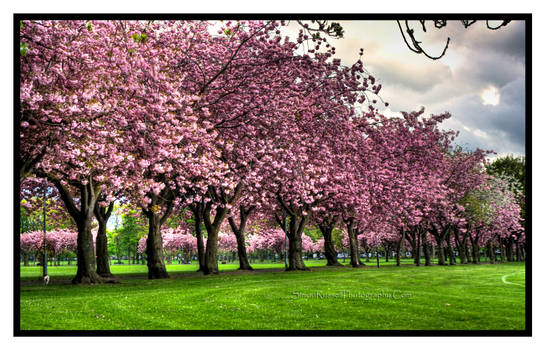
point(519, 255)
point(25, 259)
point(211, 253)
point(426, 248)
point(295, 260)
point(198, 220)
point(154, 248)
point(82, 215)
point(102, 215)
point(329, 249)
point(475, 253)
point(353, 244)
point(491, 252)
point(399, 247)
point(239, 233)
point(502, 251)
point(241, 253)
point(509, 249)
point(103, 266)
point(86, 255)
point(440, 244)
point(461, 246)
point(450, 253)
point(418, 242)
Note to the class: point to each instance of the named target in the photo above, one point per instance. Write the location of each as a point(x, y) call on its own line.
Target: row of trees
point(180, 244)
point(239, 127)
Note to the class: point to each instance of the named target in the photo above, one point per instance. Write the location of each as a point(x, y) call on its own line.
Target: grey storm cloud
point(499, 127)
point(490, 67)
point(509, 41)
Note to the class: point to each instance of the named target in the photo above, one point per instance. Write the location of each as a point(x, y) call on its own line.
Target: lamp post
point(45, 251)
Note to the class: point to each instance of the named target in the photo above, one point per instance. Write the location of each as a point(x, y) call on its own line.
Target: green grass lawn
point(485, 297)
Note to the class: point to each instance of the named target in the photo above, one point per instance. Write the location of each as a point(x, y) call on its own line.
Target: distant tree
point(27, 222)
point(512, 170)
point(133, 228)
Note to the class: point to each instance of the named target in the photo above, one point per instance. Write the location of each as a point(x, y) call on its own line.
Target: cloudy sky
point(480, 80)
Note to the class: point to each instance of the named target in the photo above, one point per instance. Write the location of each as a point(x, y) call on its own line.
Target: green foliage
point(511, 169)
point(337, 29)
point(180, 219)
point(28, 223)
point(140, 38)
point(313, 232)
point(23, 48)
point(123, 241)
point(56, 215)
point(477, 206)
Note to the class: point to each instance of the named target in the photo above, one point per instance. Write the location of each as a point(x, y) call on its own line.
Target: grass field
point(486, 297)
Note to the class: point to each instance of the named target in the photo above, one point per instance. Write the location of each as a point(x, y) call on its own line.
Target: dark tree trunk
point(102, 215)
point(25, 259)
point(461, 246)
point(509, 249)
point(197, 210)
point(211, 253)
point(502, 251)
point(417, 244)
point(240, 236)
point(241, 253)
point(450, 253)
point(426, 248)
point(440, 244)
point(353, 244)
point(399, 247)
point(387, 252)
point(519, 255)
point(86, 255)
point(82, 215)
point(475, 252)
point(154, 248)
point(295, 230)
point(491, 252)
point(210, 265)
point(411, 238)
point(329, 249)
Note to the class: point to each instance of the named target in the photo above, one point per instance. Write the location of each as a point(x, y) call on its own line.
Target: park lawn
point(67, 271)
point(469, 297)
